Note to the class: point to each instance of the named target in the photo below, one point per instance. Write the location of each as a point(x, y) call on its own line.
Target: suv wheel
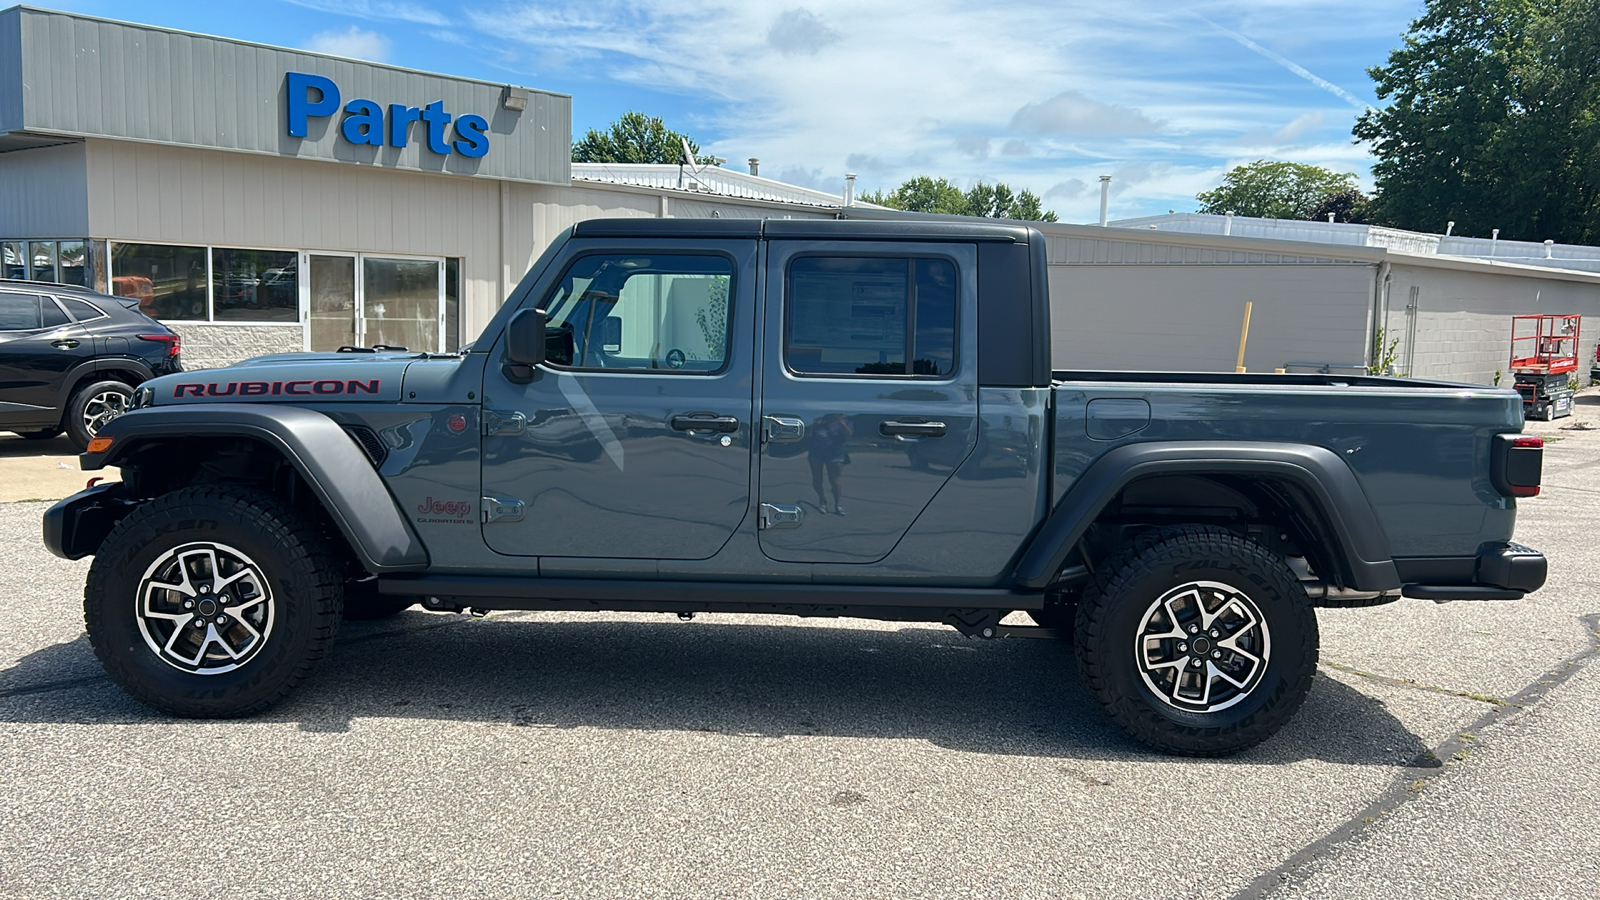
point(1202, 643)
point(212, 602)
point(92, 406)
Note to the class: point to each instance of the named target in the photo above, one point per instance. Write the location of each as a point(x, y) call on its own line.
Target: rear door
point(38, 345)
point(633, 440)
point(869, 403)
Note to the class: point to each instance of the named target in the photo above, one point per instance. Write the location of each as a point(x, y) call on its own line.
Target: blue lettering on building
point(313, 96)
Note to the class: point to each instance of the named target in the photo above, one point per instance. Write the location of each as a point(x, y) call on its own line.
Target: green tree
point(940, 195)
point(1493, 120)
point(1275, 190)
point(635, 138)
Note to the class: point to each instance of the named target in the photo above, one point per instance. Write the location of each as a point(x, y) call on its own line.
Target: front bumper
point(1501, 571)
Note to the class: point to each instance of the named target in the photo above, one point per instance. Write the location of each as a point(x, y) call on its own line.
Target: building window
point(169, 281)
point(42, 260)
point(872, 316)
point(452, 305)
point(72, 263)
point(255, 285)
point(14, 263)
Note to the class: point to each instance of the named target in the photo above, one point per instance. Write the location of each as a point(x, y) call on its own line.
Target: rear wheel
point(92, 406)
point(1201, 644)
point(212, 602)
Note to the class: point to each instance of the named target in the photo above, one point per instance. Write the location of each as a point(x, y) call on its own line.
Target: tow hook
point(685, 616)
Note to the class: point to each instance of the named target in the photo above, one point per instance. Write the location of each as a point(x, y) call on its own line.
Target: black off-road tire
point(363, 603)
point(303, 584)
point(97, 395)
point(1115, 611)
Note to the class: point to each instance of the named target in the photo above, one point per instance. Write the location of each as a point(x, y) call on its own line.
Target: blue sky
point(1164, 96)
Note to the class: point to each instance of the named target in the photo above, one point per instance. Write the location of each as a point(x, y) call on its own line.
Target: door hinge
point(502, 424)
point(502, 509)
point(777, 429)
point(778, 515)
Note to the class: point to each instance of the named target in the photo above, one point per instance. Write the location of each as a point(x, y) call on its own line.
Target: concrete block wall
point(209, 345)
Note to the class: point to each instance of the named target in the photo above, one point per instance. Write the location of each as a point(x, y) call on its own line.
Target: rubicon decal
point(323, 388)
point(446, 512)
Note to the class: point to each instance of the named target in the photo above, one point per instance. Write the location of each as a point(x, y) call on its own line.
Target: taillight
point(1517, 464)
point(174, 342)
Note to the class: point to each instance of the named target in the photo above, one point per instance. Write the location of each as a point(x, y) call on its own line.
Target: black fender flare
point(1317, 471)
point(101, 364)
point(330, 461)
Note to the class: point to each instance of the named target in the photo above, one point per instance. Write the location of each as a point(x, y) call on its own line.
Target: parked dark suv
point(70, 358)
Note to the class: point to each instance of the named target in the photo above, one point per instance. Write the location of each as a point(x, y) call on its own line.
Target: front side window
point(648, 312)
point(168, 281)
point(871, 316)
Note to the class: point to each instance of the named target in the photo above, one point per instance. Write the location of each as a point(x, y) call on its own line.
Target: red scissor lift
point(1544, 356)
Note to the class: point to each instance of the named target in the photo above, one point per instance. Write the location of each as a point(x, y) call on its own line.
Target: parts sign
point(315, 96)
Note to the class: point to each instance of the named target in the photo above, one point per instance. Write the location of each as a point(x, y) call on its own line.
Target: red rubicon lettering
point(277, 388)
point(297, 387)
point(364, 387)
point(253, 388)
point(212, 391)
point(328, 387)
point(192, 390)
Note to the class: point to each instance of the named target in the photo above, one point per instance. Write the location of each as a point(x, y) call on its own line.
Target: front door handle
point(66, 344)
point(917, 428)
point(705, 422)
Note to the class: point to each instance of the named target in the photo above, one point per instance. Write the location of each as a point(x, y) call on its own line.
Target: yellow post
point(1244, 335)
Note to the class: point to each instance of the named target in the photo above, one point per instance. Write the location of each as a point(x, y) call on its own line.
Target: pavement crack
point(1409, 683)
point(1408, 785)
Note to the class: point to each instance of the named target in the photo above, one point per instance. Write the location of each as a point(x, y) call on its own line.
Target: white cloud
point(1074, 113)
point(972, 144)
point(352, 43)
point(799, 31)
point(415, 13)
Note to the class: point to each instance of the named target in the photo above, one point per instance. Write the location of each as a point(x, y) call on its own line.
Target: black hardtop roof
point(815, 229)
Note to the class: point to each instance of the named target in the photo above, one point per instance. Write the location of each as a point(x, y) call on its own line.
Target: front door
point(869, 392)
point(633, 440)
point(329, 294)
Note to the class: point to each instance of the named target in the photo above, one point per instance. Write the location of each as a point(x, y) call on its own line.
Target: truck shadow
point(1015, 697)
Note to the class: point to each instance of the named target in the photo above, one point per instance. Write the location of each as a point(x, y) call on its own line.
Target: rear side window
point(51, 314)
point(19, 312)
point(82, 310)
point(871, 316)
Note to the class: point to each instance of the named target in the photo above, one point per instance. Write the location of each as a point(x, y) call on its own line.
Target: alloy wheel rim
point(1202, 647)
point(102, 408)
point(205, 608)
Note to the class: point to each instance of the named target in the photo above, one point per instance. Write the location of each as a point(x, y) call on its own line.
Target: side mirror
point(525, 341)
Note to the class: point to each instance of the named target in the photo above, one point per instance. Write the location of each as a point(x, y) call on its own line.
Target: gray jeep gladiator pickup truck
point(813, 418)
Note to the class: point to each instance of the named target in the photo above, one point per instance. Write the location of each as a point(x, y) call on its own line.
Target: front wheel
point(92, 406)
point(1201, 644)
point(212, 602)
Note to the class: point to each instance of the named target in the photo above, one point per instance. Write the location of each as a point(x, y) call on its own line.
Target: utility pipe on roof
point(1105, 198)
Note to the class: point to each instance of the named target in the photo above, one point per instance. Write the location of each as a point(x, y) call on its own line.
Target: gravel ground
point(632, 755)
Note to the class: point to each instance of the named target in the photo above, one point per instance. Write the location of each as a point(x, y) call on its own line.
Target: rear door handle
point(705, 422)
point(918, 428)
point(67, 344)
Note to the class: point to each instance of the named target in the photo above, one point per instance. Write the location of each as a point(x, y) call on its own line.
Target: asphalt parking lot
point(1446, 750)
